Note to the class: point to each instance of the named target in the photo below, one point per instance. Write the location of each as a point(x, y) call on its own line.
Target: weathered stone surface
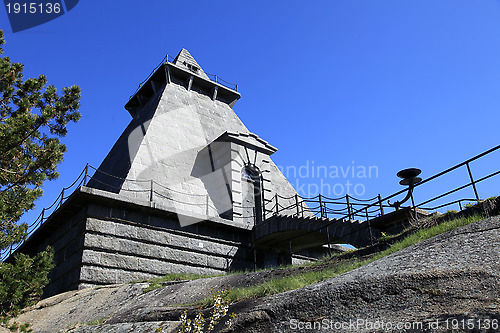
point(104, 275)
point(157, 251)
point(165, 142)
point(451, 276)
point(63, 311)
point(143, 327)
point(163, 237)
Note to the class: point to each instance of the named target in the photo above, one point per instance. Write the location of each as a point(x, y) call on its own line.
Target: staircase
point(299, 233)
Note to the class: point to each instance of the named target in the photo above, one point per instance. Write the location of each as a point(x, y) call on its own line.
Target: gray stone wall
point(66, 236)
point(122, 245)
point(166, 143)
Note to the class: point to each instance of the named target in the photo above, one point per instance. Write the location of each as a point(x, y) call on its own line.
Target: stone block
point(108, 227)
point(74, 246)
point(129, 246)
point(218, 262)
point(125, 230)
point(91, 257)
point(77, 218)
point(64, 267)
point(61, 242)
point(98, 275)
point(119, 261)
point(93, 224)
point(98, 210)
point(128, 276)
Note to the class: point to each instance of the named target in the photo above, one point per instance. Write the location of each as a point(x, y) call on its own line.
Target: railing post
point(369, 227)
point(62, 197)
point(460, 204)
point(276, 200)
point(167, 74)
point(297, 203)
point(320, 206)
point(472, 180)
point(151, 192)
point(302, 208)
point(43, 214)
point(414, 207)
point(370, 230)
point(348, 207)
point(254, 259)
point(328, 240)
point(86, 173)
point(380, 203)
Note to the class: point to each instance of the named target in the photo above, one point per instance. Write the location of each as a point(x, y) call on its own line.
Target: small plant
point(286, 283)
point(21, 285)
point(14, 325)
point(219, 310)
point(384, 237)
point(159, 282)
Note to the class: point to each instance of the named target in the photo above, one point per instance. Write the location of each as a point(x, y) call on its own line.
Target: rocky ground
point(448, 282)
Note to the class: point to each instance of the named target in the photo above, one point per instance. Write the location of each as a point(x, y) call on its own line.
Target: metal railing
point(326, 207)
point(169, 59)
point(376, 205)
point(216, 79)
point(46, 212)
point(337, 209)
point(148, 190)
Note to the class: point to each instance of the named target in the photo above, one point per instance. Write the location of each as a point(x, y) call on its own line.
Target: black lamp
point(409, 179)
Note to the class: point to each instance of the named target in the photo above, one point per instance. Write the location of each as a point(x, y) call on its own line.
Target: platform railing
point(149, 189)
point(169, 59)
point(376, 206)
point(341, 209)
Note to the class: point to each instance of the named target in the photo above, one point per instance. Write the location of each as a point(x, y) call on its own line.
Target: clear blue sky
point(391, 84)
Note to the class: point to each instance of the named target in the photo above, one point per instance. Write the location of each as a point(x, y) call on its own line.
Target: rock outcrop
point(447, 282)
point(430, 286)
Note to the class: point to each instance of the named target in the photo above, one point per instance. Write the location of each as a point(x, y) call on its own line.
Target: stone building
point(180, 191)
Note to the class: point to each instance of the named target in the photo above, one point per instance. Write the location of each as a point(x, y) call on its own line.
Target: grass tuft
point(159, 282)
point(337, 265)
point(280, 285)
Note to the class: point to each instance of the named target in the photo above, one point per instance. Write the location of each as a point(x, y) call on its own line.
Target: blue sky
point(385, 83)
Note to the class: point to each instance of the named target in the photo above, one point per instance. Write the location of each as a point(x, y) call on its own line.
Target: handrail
point(294, 205)
point(43, 216)
point(380, 200)
point(168, 59)
point(82, 179)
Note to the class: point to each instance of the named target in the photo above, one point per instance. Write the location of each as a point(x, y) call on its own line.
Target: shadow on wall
point(213, 167)
point(116, 166)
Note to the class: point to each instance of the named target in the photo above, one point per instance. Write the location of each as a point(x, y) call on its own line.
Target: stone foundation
point(98, 241)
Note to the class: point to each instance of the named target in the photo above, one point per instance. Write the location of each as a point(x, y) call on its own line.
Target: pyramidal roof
point(186, 60)
point(186, 148)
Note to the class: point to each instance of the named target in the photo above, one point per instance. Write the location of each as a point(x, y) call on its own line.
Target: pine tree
point(33, 118)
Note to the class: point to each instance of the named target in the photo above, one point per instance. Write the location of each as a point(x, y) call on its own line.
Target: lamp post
point(410, 179)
